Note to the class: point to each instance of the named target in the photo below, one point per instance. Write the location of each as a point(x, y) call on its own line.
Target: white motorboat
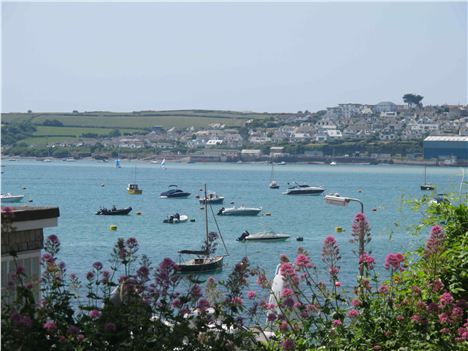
point(303, 189)
point(332, 163)
point(174, 219)
point(263, 236)
point(11, 198)
point(212, 198)
point(239, 211)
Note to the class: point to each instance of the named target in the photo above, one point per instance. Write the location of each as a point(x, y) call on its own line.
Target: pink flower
point(251, 294)
point(90, 276)
point(97, 266)
point(236, 300)
point(384, 289)
point(284, 326)
point(393, 260)
point(288, 345)
point(399, 318)
point(286, 292)
point(53, 239)
point(94, 314)
point(303, 261)
point(132, 243)
point(435, 241)
point(356, 302)
point(353, 313)
point(443, 318)
point(437, 285)
point(7, 210)
point(337, 323)
point(271, 317)
point(416, 319)
point(143, 272)
point(367, 260)
point(337, 284)
point(445, 299)
point(49, 326)
point(203, 305)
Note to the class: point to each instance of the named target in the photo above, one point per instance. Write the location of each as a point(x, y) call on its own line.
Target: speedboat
point(303, 189)
point(263, 236)
point(174, 193)
point(212, 198)
point(11, 198)
point(114, 211)
point(176, 218)
point(239, 211)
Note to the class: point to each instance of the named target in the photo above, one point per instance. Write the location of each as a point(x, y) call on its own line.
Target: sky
point(262, 57)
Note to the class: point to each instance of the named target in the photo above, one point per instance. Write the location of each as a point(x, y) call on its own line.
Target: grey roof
point(447, 138)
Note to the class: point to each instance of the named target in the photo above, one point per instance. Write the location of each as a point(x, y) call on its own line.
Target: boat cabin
point(134, 189)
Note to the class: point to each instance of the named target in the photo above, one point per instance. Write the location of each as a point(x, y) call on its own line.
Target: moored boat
point(114, 211)
point(174, 193)
point(303, 189)
point(11, 198)
point(263, 236)
point(205, 260)
point(212, 198)
point(176, 218)
point(239, 211)
point(133, 189)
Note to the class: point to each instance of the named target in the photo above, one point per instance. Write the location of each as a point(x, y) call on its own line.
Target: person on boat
point(177, 216)
point(114, 208)
point(171, 219)
point(244, 235)
point(221, 210)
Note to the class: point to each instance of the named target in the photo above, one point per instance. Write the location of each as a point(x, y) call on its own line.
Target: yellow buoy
point(339, 229)
point(112, 227)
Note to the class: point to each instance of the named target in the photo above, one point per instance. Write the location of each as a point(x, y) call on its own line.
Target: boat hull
point(249, 212)
point(304, 192)
point(427, 187)
point(269, 239)
point(218, 200)
point(118, 212)
point(12, 199)
point(202, 265)
point(135, 191)
point(182, 219)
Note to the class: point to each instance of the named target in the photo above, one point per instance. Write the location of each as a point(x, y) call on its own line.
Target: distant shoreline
point(186, 159)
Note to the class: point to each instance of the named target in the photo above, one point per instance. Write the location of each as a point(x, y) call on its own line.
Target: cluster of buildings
point(385, 121)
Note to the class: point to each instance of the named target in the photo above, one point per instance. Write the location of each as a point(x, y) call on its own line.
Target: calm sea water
point(75, 187)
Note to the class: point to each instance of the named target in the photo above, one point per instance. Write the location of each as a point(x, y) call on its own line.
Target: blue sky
point(264, 57)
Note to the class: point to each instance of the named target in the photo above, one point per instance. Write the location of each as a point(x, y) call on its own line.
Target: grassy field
point(45, 140)
point(140, 119)
point(73, 131)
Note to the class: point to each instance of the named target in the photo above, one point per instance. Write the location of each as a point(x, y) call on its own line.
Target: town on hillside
point(349, 132)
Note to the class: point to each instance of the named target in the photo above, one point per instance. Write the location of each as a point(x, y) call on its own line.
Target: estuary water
point(80, 188)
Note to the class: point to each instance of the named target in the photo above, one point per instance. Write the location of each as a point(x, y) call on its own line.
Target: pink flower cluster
point(394, 261)
point(435, 241)
point(303, 261)
point(367, 260)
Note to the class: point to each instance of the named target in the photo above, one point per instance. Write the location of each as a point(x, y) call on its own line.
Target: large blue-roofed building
point(446, 147)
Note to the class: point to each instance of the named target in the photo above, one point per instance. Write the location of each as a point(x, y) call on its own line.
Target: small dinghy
point(176, 218)
point(114, 211)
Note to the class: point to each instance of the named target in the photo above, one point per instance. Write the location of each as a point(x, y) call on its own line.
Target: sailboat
point(426, 185)
point(163, 163)
point(205, 260)
point(133, 188)
point(273, 183)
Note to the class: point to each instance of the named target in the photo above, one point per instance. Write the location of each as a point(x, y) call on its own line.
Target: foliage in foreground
point(421, 306)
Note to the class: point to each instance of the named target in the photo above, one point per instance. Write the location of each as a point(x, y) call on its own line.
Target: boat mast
point(206, 222)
